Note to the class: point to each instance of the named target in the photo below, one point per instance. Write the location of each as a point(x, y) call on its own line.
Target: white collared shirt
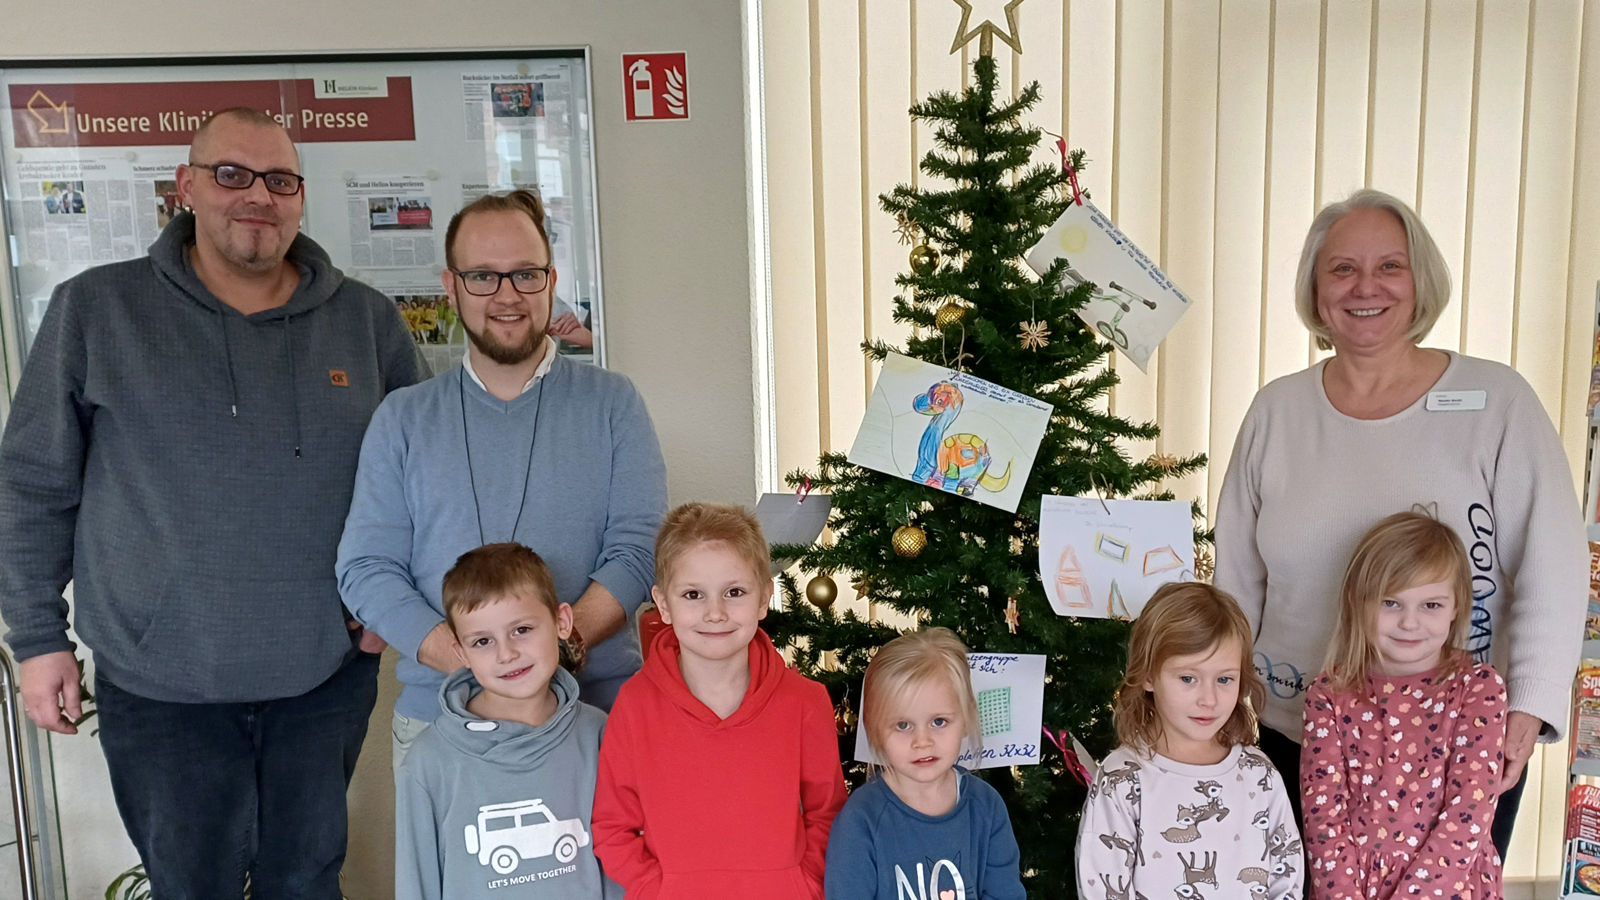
point(550, 350)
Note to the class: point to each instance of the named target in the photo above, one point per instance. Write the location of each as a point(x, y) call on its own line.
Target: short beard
point(508, 354)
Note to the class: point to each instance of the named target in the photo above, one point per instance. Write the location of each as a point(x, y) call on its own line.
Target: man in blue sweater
point(182, 447)
point(516, 444)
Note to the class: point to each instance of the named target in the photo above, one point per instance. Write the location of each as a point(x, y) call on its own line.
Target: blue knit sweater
point(595, 493)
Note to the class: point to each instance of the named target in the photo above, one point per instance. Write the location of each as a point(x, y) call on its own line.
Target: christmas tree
point(942, 559)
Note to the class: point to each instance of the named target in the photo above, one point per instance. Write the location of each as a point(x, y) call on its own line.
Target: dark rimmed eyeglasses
point(239, 178)
point(484, 282)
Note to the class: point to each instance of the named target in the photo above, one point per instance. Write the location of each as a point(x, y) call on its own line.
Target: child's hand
point(1522, 732)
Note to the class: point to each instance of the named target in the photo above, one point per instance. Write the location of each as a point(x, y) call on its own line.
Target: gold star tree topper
point(986, 30)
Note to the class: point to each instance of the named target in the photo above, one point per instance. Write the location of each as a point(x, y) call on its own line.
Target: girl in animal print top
point(1401, 758)
point(1186, 807)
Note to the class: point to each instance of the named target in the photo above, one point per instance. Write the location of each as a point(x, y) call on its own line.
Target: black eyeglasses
point(484, 282)
point(239, 178)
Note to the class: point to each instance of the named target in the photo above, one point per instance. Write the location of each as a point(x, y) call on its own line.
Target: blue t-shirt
point(882, 848)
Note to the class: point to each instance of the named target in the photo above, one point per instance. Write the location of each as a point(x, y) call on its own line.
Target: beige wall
point(674, 248)
point(1214, 130)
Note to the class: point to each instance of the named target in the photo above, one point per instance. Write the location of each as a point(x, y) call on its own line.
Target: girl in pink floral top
point(1403, 731)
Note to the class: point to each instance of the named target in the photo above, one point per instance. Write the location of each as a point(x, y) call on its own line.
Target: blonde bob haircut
point(692, 524)
point(1429, 274)
point(908, 664)
point(1401, 552)
point(1184, 619)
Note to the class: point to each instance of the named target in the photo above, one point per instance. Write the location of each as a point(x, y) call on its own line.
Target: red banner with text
point(138, 114)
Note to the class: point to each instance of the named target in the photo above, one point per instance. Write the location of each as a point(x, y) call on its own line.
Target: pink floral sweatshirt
point(1400, 783)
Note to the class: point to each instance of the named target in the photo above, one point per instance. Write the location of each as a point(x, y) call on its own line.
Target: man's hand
point(1522, 732)
point(369, 642)
point(50, 694)
point(439, 650)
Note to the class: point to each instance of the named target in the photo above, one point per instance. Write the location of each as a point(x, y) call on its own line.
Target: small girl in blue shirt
point(923, 823)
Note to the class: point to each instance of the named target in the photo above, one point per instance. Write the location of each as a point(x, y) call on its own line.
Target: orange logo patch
point(339, 378)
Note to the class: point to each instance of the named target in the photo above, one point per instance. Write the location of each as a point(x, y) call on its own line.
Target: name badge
point(1453, 401)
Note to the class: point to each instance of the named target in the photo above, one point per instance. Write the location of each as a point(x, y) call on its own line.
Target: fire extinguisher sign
point(655, 86)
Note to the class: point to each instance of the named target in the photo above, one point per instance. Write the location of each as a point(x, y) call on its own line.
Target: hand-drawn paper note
point(1135, 304)
point(786, 519)
point(1010, 692)
point(1105, 560)
point(950, 431)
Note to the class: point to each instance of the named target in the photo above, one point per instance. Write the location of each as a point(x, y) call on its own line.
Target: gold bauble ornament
point(822, 591)
point(909, 540)
point(949, 314)
point(924, 259)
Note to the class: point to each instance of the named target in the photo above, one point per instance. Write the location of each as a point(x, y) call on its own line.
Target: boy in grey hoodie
point(495, 799)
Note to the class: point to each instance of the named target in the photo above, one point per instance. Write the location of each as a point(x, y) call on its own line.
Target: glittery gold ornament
point(1013, 617)
point(822, 591)
point(924, 259)
point(949, 314)
point(1204, 565)
point(909, 540)
point(1034, 335)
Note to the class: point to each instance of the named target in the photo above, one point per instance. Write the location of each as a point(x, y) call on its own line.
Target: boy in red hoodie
point(719, 770)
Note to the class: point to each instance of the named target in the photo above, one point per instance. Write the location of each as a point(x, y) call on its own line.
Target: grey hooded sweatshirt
point(492, 809)
point(189, 468)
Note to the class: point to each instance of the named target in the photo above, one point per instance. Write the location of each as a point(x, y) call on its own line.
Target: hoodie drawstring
point(294, 388)
point(227, 354)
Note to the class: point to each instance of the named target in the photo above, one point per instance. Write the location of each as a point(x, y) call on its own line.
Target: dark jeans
point(1285, 754)
point(210, 791)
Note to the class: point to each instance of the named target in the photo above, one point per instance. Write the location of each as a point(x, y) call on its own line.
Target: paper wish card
point(792, 519)
point(1103, 559)
point(950, 431)
point(1010, 691)
point(1134, 303)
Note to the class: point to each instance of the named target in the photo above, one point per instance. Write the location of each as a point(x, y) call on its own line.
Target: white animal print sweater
point(1155, 828)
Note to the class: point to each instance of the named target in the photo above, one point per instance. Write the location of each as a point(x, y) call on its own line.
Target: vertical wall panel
point(1346, 63)
point(886, 146)
point(1236, 299)
point(1089, 110)
point(1446, 143)
point(798, 418)
point(1547, 185)
point(1395, 93)
point(1489, 276)
point(1186, 251)
point(836, 141)
point(1136, 176)
point(1290, 179)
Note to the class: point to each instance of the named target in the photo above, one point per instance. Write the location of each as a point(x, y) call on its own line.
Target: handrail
point(19, 793)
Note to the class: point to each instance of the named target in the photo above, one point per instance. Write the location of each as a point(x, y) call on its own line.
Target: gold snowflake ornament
point(1204, 565)
point(1166, 462)
point(1034, 335)
point(906, 229)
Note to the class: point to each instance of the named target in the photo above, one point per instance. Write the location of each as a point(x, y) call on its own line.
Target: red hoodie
point(689, 805)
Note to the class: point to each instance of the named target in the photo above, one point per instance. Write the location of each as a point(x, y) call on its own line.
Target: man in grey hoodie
point(182, 447)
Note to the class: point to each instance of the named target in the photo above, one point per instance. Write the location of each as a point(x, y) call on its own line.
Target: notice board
point(391, 146)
